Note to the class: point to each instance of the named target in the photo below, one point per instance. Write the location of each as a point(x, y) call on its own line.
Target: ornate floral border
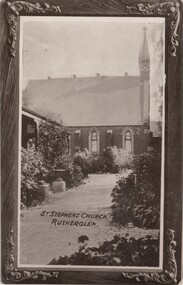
point(171, 10)
point(167, 276)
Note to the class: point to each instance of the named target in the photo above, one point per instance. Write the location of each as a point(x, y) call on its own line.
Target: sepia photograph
point(91, 145)
point(91, 142)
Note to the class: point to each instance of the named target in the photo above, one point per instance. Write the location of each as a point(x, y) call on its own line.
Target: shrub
point(136, 198)
point(124, 159)
point(83, 162)
point(120, 251)
point(96, 164)
point(32, 171)
point(115, 159)
point(124, 197)
point(52, 142)
point(73, 173)
point(51, 153)
point(89, 162)
point(109, 156)
point(111, 160)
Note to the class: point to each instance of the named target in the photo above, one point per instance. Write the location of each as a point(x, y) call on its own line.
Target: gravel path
point(52, 229)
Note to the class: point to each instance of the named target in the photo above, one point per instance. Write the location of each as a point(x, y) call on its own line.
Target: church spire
point(144, 58)
point(144, 66)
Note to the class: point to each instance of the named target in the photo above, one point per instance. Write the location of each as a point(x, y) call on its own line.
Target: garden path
point(89, 206)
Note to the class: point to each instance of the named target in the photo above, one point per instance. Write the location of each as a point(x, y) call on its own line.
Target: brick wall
point(141, 137)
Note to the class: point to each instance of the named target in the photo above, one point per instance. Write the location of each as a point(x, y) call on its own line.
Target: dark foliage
point(39, 164)
point(96, 164)
point(111, 160)
point(108, 158)
point(120, 251)
point(136, 199)
point(83, 163)
point(52, 142)
point(82, 239)
point(32, 171)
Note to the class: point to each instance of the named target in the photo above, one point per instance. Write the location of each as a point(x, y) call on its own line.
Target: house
point(30, 125)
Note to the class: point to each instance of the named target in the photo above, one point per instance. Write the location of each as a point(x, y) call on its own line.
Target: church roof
point(87, 101)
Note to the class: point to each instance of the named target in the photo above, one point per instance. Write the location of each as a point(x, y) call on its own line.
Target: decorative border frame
point(171, 11)
point(169, 275)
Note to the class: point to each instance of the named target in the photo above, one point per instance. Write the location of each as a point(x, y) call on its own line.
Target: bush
point(32, 171)
point(96, 164)
point(120, 251)
point(116, 159)
point(73, 173)
point(51, 153)
point(136, 198)
point(108, 156)
point(82, 161)
point(124, 159)
point(89, 162)
point(111, 160)
point(52, 142)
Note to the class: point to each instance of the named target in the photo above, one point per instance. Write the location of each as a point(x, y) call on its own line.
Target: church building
point(99, 111)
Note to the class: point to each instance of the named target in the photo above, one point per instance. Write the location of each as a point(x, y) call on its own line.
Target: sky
point(62, 46)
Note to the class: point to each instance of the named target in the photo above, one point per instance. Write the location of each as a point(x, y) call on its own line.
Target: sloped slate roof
point(87, 101)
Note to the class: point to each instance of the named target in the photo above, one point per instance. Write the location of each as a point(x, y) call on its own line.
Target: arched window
point(128, 141)
point(94, 141)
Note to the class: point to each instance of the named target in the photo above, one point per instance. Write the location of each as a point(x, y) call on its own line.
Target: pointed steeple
point(144, 52)
point(144, 87)
point(144, 58)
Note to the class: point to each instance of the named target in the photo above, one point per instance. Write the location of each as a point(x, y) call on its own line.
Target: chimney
point(126, 73)
point(98, 75)
point(73, 76)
